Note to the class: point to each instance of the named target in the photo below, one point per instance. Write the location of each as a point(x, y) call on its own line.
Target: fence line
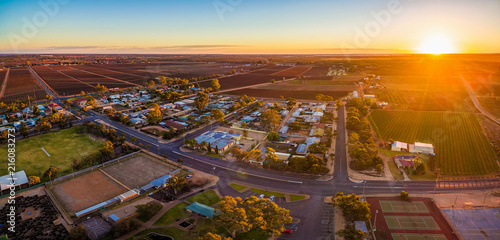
point(59, 179)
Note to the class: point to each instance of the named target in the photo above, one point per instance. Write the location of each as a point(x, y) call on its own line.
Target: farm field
point(316, 71)
point(132, 78)
point(272, 93)
point(425, 100)
point(271, 70)
point(485, 89)
point(460, 145)
point(93, 79)
point(295, 71)
point(242, 80)
point(62, 84)
point(490, 104)
point(31, 158)
point(20, 85)
point(321, 82)
point(296, 87)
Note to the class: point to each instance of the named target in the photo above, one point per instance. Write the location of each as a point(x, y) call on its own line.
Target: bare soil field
point(272, 93)
point(20, 85)
point(139, 170)
point(62, 84)
point(295, 71)
point(317, 71)
point(242, 80)
point(87, 190)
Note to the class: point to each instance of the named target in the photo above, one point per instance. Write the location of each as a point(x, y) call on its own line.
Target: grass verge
point(208, 198)
point(176, 212)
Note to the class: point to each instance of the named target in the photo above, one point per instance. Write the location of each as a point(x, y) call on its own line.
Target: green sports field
point(411, 222)
point(63, 146)
point(416, 236)
point(460, 144)
point(403, 207)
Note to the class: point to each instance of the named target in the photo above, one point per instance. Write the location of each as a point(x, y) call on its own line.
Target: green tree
point(273, 136)
point(34, 180)
point(350, 233)
point(36, 110)
point(51, 172)
point(231, 217)
point(272, 81)
point(217, 114)
point(352, 207)
point(291, 102)
point(163, 80)
point(108, 149)
point(151, 84)
point(338, 104)
point(133, 140)
point(270, 119)
point(101, 88)
point(215, 84)
point(404, 195)
point(155, 114)
point(91, 101)
point(295, 126)
point(176, 184)
point(201, 101)
point(212, 236)
point(48, 97)
point(23, 129)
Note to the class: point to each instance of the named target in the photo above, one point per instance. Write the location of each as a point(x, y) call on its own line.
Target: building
point(284, 129)
point(301, 149)
point(221, 140)
point(399, 146)
point(355, 94)
point(202, 209)
point(128, 195)
point(405, 161)
point(20, 180)
point(425, 148)
point(369, 96)
point(137, 121)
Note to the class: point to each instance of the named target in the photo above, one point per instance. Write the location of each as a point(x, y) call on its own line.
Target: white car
point(261, 196)
point(271, 198)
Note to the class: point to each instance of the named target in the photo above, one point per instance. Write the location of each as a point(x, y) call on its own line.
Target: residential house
point(399, 146)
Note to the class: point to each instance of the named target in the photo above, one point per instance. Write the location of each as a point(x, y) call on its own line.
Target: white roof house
point(355, 94)
point(425, 148)
point(399, 146)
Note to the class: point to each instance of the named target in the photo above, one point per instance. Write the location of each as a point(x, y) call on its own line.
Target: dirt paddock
point(85, 191)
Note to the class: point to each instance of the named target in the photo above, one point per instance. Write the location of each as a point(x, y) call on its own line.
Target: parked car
point(288, 231)
point(261, 196)
point(189, 176)
point(271, 198)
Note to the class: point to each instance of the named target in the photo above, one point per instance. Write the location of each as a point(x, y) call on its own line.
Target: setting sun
point(437, 44)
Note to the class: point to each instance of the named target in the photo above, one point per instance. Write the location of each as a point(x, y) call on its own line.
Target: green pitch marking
point(403, 207)
point(411, 222)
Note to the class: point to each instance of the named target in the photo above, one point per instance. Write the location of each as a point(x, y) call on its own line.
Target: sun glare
point(437, 44)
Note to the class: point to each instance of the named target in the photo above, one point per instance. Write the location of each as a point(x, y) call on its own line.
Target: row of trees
point(361, 146)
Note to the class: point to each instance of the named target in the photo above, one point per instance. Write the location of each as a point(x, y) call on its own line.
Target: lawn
point(174, 232)
point(398, 176)
point(176, 212)
point(294, 197)
point(238, 187)
point(208, 198)
point(461, 147)
point(63, 146)
point(267, 193)
point(211, 154)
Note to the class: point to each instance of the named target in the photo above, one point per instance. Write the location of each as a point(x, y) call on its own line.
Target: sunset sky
point(250, 26)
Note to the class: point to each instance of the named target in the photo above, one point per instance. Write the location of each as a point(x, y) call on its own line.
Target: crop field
point(423, 100)
point(491, 104)
point(295, 71)
point(296, 87)
point(316, 71)
point(20, 85)
point(321, 82)
point(62, 84)
point(298, 94)
point(271, 70)
point(2, 76)
point(485, 89)
point(242, 80)
point(136, 79)
point(460, 145)
point(93, 79)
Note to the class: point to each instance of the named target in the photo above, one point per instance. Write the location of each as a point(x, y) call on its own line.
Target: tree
point(404, 195)
point(82, 93)
point(48, 97)
point(147, 211)
point(272, 81)
point(338, 104)
point(78, 233)
point(133, 140)
point(215, 84)
point(239, 216)
point(34, 180)
point(36, 110)
point(23, 129)
point(43, 126)
point(155, 114)
point(51, 172)
point(380, 168)
point(108, 149)
point(91, 101)
point(273, 136)
point(151, 84)
point(212, 236)
point(5, 135)
point(176, 184)
point(201, 101)
point(295, 126)
point(231, 217)
point(270, 119)
point(77, 164)
point(101, 88)
point(245, 133)
point(291, 102)
point(271, 154)
point(350, 233)
point(352, 207)
point(163, 80)
point(217, 114)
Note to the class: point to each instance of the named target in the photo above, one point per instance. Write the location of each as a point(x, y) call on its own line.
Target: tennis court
point(416, 236)
point(480, 224)
point(411, 222)
point(403, 206)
